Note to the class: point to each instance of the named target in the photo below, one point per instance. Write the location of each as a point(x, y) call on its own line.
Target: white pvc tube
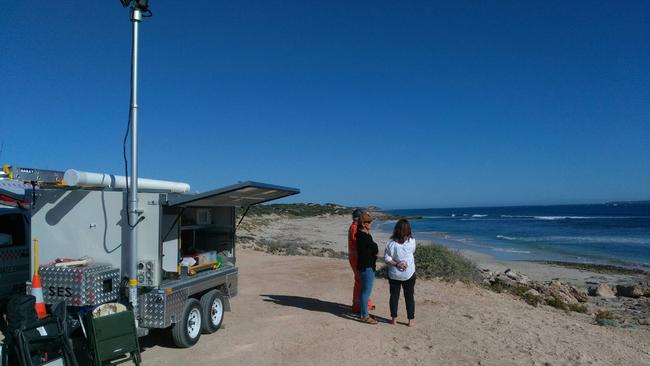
point(76, 178)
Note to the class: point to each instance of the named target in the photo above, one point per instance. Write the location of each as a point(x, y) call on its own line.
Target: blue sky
point(389, 103)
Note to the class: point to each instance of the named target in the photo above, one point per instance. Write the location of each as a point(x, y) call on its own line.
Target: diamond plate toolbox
point(91, 284)
point(160, 310)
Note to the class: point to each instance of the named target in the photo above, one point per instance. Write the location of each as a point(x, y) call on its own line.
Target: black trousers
point(409, 292)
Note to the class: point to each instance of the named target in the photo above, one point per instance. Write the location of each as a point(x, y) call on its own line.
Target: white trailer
point(140, 236)
point(174, 229)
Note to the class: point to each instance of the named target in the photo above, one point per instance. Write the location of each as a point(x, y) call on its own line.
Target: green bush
point(578, 308)
point(605, 315)
point(606, 318)
point(284, 247)
point(432, 261)
point(300, 210)
point(297, 210)
point(438, 261)
point(558, 304)
point(519, 291)
point(532, 299)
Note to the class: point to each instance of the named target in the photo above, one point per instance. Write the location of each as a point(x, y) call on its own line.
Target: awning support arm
point(242, 216)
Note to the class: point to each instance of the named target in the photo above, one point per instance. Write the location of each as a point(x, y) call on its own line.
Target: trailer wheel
point(212, 307)
point(187, 331)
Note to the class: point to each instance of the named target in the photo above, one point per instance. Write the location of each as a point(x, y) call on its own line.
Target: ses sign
point(60, 291)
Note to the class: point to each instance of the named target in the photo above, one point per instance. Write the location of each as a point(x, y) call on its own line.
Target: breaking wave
point(506, 237)
point(569, 217)
point(511, 250)
point(577, 239)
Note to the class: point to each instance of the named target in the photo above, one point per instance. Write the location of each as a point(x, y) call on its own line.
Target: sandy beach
point(330, 232)
point(294, 310)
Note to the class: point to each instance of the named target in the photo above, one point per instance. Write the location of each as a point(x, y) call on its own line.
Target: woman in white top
point(398, 255)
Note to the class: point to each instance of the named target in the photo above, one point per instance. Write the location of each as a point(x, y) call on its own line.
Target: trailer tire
point(187, 331)
point(212, 307)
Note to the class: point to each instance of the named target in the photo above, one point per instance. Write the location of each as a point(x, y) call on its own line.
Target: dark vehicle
point(14, 251)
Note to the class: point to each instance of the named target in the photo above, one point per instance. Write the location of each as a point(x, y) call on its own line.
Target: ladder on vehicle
point(37, 177)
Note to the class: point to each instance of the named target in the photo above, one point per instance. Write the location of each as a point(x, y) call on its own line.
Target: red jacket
point(352, 244)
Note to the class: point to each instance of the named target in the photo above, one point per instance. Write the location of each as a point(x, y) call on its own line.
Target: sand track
point(293, 311)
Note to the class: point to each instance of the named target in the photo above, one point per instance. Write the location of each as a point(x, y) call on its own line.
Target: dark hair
point(356, 213)
point(402, 231)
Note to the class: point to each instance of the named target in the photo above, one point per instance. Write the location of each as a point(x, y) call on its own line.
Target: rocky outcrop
point(519, 278)
point(630, 307)
point(532, 292)
point(562, 292)
point(634, 291)
point(603, 290)
point(546, 292)
point(507, 278)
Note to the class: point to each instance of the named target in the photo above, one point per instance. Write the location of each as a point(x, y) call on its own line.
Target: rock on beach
point(634, 291)
point(605, 291)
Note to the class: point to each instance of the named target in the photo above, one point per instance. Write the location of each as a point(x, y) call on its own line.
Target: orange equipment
point(37, 288)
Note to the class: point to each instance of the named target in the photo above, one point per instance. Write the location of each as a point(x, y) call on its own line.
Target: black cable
point(126, 167)
point(126, 171)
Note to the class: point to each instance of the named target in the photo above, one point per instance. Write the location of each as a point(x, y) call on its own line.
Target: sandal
point(368, 320)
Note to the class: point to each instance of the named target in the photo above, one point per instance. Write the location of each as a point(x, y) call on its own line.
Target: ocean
point(613, 234)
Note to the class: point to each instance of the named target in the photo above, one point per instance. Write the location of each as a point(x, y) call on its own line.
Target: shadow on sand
point(157, 337)
point(163, 338)
point(312, 304)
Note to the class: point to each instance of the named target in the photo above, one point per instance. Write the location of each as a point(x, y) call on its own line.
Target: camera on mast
point(142, 5)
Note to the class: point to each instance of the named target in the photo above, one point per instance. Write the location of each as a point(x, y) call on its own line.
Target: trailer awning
point(238, 195)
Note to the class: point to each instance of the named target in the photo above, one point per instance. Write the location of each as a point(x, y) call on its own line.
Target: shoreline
point(575, 273)
point(578, 274)
point(590, 234)
point(326, 235)
point(621, 297)
point(596, 267)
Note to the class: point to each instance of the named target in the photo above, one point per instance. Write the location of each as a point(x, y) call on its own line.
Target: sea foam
point(517, 251)
point(577, 239)
point(570, 217)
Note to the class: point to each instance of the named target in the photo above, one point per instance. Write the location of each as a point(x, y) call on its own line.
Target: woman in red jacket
point(352, 257)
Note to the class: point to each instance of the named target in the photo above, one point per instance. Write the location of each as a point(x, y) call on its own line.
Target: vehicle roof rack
point(40, 177)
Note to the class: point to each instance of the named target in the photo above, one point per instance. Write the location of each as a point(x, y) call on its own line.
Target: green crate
point(113, 339)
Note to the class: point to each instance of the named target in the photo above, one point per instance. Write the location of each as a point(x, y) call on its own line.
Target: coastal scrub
point(437, 261)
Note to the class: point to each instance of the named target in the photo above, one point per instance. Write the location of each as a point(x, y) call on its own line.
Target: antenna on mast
point(142, 5)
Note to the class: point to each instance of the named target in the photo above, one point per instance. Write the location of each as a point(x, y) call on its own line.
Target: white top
point(400, 253)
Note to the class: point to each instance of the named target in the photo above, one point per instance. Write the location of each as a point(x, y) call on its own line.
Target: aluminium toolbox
point(90, 284)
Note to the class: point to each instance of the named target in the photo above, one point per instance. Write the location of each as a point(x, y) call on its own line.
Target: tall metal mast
point(137, 8)
point(136, 17)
